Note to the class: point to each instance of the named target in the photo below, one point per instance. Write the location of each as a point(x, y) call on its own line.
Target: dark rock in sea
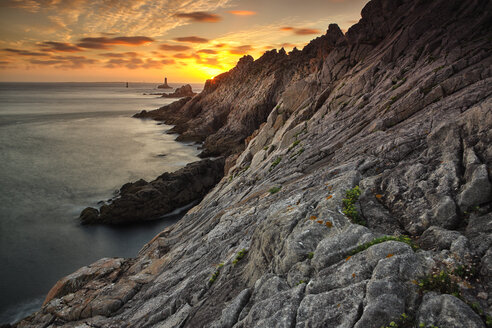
point(89, 215)
point(183, 91)
point(141, 200)
point(399, 106)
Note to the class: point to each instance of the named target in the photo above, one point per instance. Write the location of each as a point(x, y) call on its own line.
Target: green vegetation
point(300, 282)
point(215, 275)
point(265, 148)
point(399, 83)
point(447, 282)
point(275, 162)
point(238, 173)
point(439, 282)
point(349, 209)
point(274, 190)
point(437, 69)
point(240, 255)
point(310, 255)
point(404, 239)
point(294, 144)
point(405, 321)
point(394, 99)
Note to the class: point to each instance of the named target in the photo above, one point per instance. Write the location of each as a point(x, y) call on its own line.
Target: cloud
point(200, 16)
point(306, 31)
point(72, 62)
point(207, 51)
point(24, 52)
point(119, 54)
point(300, 31)
point(219, 45)
point(242, 12)
point(167, 61)
point(151, 63)
point(135, 63)
point(288, 45)
point(172, 47)
point(59, 47)
point(240, 50)
point(105, 42)
point(214, 62)
point(45, 62)
point(185, 56)
point(191, 39)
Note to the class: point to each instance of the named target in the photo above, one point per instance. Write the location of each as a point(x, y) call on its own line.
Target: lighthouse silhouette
point(164, 86)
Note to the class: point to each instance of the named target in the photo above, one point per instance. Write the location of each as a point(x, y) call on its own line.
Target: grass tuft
point(349, 209)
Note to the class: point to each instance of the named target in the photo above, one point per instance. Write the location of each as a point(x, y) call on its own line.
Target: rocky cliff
point(363, 198)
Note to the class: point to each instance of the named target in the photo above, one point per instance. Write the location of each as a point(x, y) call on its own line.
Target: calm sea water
point(63, 147)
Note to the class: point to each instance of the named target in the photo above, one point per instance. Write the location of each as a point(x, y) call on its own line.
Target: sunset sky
point(145, 40)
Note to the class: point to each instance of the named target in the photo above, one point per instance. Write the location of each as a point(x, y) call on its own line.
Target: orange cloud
point(185, 56)
point(213, 62)
point(21, 52)
point(191, 39)
point(240, 50)
point(172, 47)
point(65, 62)
point(60, 47)
point(207, 51)
point(242, 12)
point(119, 55)
point(135, 63)
point(200, 16)
point(300, 31)
point(306, 31)
point(105, 43)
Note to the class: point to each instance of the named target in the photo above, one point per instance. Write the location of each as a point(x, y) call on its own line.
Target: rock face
point(141, 200)
point(400, 106)
point(183, 91)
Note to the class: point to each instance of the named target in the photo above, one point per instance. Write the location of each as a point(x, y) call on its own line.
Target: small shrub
point(239, 256)
point(275, 163)
point(300, 282)
point(437, 69)
point(216, 274)
point(265, 148)
point(439, 282)
point(294, 144)
point(404, 239)
point(310, 255)
point(274, 190)
point(349, 209)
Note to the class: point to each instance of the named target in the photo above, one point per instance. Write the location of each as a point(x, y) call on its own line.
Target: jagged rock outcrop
point(234, 104)
point(142, 200)
point(401, 107)
point(182, 91)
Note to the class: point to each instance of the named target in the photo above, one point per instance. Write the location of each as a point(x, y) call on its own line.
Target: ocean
point(63, 147)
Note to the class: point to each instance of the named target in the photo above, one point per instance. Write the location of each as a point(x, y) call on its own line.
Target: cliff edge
point(358, 191)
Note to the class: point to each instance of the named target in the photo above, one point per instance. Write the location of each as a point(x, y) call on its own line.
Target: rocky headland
point(142, 201)
point(182, 91)
point(357, 192)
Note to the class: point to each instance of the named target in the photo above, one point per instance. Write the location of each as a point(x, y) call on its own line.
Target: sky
point(145, 40)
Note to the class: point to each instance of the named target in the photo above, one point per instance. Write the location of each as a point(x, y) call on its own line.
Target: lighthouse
point(164, 86)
